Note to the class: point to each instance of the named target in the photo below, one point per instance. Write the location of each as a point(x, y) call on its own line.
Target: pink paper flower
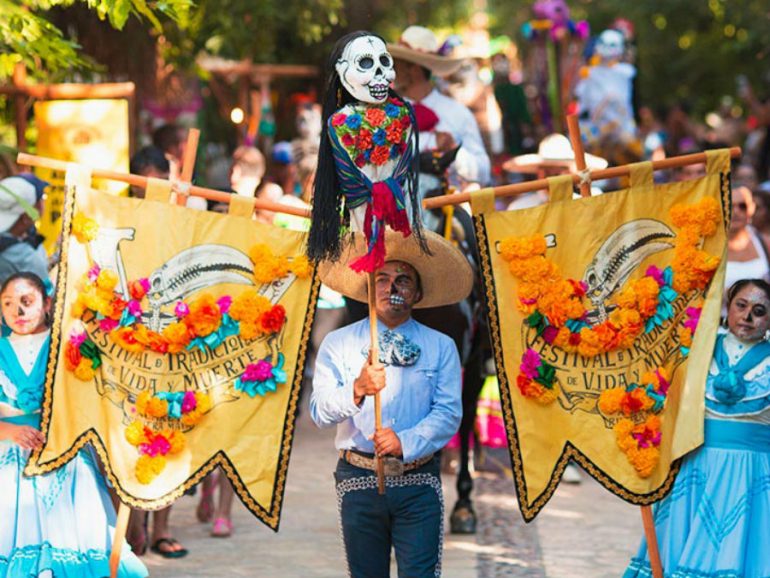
point(77, 339)
point(145, 283)
point(93, 273)
point(224, 303)
point(664, 385)
point(260, 371)
point(693, 317)
point(135, 308)
point(657, 274)
point(530, 361)
point(189, 403)
point(107, 324)
point(549, 334)
point(181, 310)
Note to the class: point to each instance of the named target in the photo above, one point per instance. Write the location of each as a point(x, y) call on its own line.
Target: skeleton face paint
point(397, 288)
point(366, 69)
point(748, 316)
point(24, 307)
point(610, 45)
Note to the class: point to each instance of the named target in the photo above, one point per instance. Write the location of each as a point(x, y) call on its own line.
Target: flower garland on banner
point(154, 442)
point(555, 310)
point(376, 136)
point(638, 433)
point(204, 323)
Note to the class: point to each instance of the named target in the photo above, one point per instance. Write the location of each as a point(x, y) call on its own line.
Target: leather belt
point(393, 466)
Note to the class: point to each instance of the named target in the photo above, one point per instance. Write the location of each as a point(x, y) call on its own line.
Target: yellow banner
point(593, 305)
point(91, 132)
point(178, 345)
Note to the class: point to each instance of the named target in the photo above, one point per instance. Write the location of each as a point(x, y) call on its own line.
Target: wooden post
point(25, 159)
point(585, 191)
point(577, 147)
point(652, 542)
point(20, 104)
point(124, 512)
point(375, 355)
point(188, 165)
point(540, 184)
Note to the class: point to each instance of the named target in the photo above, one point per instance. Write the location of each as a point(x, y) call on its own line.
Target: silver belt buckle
point(392, 466)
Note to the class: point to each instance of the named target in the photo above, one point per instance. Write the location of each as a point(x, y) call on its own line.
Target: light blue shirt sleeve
point(332, 399)
point(433, 431)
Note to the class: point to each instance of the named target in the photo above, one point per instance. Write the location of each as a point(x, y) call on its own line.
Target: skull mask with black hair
point(366, 69)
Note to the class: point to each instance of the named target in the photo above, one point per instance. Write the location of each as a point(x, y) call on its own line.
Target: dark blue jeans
point(409, 517)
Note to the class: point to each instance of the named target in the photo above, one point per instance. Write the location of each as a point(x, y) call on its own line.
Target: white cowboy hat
point(419, 45)
point(445, 275)
point(555, 151)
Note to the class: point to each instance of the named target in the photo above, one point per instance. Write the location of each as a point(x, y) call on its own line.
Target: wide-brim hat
point(554, 151)
point(445, 275)
point(419, 45)
point(17, 196)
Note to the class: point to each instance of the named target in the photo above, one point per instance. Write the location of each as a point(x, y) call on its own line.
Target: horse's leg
point(463, 518)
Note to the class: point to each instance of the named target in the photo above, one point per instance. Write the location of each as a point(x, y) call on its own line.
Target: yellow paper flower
point(84, 228)
point(107, 280)
point(147, 468)
point(84, 371)
point(135, 433)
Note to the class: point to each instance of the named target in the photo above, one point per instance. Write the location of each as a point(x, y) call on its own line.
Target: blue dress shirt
point(422, 403)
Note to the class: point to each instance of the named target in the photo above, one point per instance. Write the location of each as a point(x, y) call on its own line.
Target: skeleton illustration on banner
point(366, 176)
point(175, 355)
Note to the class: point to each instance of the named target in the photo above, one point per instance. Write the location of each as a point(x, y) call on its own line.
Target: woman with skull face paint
point(715, 521)
point(58, 524)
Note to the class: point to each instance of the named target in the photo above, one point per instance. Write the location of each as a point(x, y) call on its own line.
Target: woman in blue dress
point(715, 523)
point(58, 525)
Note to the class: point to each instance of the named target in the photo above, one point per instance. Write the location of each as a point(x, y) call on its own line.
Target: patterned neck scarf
point(396, 350)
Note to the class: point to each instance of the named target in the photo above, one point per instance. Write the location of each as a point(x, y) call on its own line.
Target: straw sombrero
point(445, 275)
point(554, 151)
point(419, 45)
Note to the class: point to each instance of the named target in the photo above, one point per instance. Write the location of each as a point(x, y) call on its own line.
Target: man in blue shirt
point(418, 378)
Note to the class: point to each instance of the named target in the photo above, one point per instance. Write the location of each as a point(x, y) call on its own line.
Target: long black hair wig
point(329, 216)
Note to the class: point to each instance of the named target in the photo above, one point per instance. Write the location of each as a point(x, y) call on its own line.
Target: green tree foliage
point(687, 50)
point(26, 34)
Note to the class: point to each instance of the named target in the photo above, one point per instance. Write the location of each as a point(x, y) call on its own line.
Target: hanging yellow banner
point(593, 306)
point(178, 345)
point(91, 132)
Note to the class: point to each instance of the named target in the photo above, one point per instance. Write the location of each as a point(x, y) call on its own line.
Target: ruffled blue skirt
point(60, 524)
point(715, 523)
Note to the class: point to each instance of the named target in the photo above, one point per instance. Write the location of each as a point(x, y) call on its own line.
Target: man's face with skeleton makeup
point(366, 69)
point(748, 316)
point(397, 288)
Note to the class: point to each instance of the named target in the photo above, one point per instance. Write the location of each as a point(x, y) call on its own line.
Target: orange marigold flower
point(84, 371)
point(135, 433)
point(249, 306)
point(156, 407)
point(522, 247)
point(177, 336)
point(175, 439)
point(107, 280)
point(148, 467)
point(204, 317)
point(301, 267)
point(610, 399)
point(72, 357)
point(124, 338)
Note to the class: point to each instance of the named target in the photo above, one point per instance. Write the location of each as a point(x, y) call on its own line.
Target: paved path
point(584, 532)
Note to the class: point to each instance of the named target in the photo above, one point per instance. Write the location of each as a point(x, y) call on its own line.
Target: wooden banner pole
point(585, 191)
point(139, 181)
point(541, 184)
point(188, 166)
point(573, 127)
point(652, 542)
point(375, 355)
point(124, 512)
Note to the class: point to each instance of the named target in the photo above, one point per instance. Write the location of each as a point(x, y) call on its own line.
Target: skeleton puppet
point(367, 156)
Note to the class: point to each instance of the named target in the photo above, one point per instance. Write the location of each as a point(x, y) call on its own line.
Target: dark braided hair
point(328, 214)
point(736, 287)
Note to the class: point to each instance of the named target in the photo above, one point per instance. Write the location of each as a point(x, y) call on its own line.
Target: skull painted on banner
point(366, 69)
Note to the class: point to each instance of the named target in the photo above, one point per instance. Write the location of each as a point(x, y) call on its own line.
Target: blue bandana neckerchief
point(396, 350)
point(729, 383)
point(29, 388)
